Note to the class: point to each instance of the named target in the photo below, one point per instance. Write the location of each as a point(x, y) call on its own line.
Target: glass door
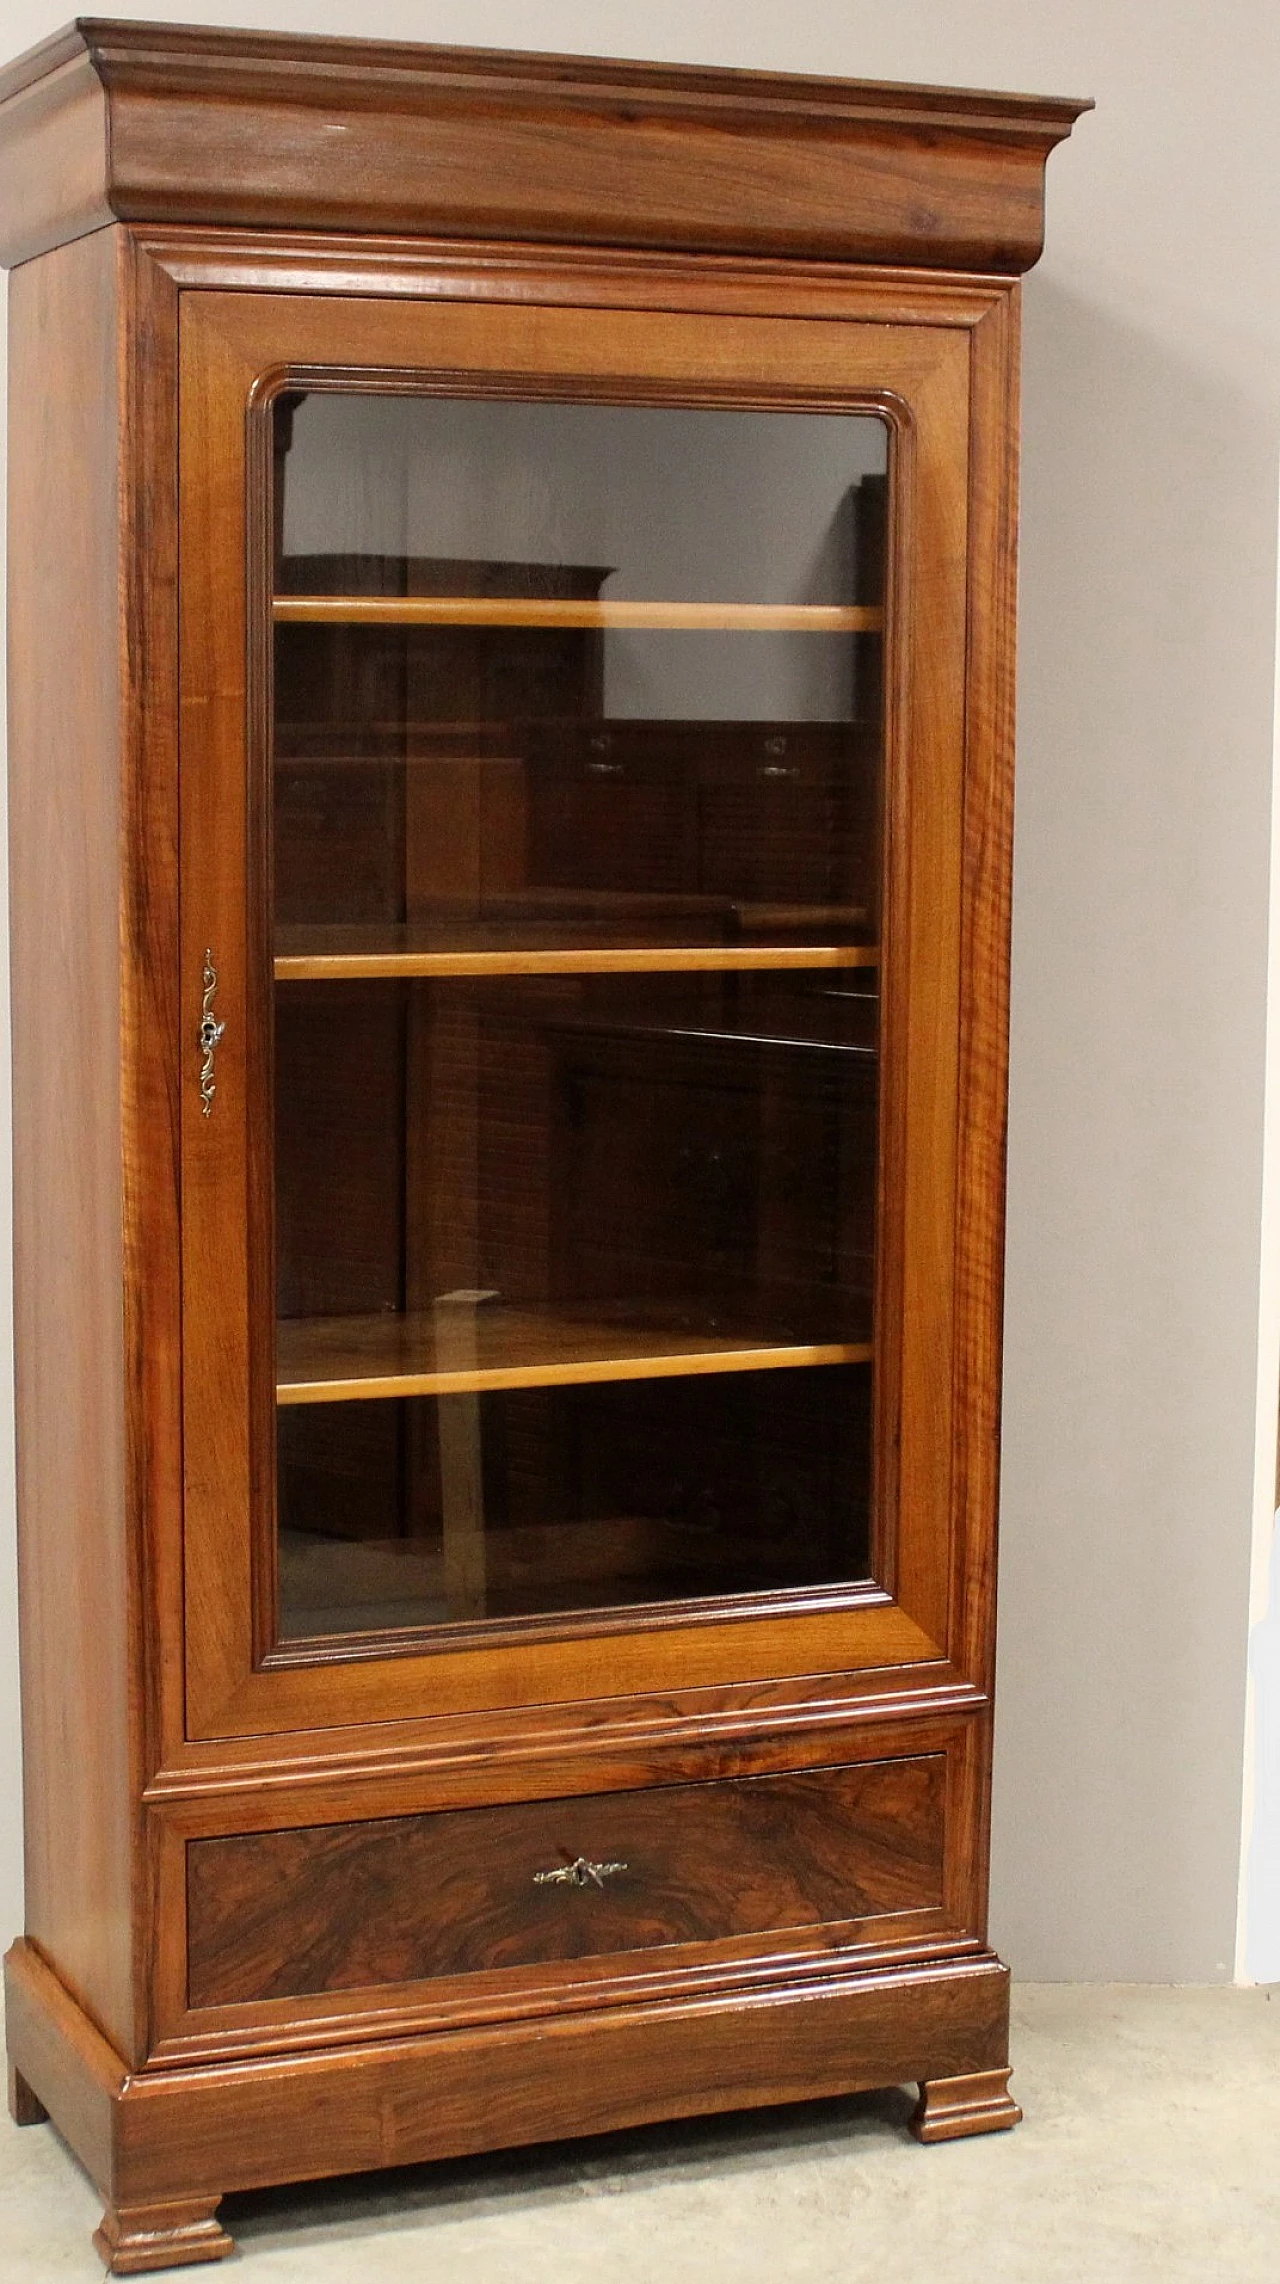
point(576, 791)
point(575, 708)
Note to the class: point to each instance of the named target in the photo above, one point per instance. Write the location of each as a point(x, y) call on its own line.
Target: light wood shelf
point(468, 1344)
point(552, 937)
point(522, 611)
point(326, 966)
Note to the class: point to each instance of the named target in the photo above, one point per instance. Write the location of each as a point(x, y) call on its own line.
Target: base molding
point(949, 2109)
point(165, 2144)
point(134, 2240)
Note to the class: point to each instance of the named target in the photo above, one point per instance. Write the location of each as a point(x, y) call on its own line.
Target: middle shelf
point(576, 612)
point(472, 1342)
point(331, 955)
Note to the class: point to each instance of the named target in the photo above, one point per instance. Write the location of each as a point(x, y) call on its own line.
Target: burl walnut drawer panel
point(339, 1907)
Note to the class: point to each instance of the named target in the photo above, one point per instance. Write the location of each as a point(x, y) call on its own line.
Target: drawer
point(340, 1907)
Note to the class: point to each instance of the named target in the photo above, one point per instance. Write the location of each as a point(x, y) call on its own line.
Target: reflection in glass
point(422, 1511)
point(577, 797)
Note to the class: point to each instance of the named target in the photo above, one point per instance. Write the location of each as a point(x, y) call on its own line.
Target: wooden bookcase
point(511, 617)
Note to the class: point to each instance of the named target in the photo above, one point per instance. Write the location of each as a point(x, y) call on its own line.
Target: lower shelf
point(471, 1341)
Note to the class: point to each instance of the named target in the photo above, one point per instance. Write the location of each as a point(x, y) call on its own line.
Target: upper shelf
point(525, 611)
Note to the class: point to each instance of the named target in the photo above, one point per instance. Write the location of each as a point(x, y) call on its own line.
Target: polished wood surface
point(441, 1761)
point(190, 2135)
point(984, 1016)
point(25, 2108)
point(487, 611)
point(66, 805)
point(229, 341)
point(332, 956)
point(512, 272)
point(337, 1359)
point(489, 1778)
point(62, 2058)
point(276, 1915)
point(950, 2109)
point(619, 232)
point(136, 2240)
point(187, 123)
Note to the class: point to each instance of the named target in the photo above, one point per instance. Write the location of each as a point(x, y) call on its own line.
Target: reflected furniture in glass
point(511, 763)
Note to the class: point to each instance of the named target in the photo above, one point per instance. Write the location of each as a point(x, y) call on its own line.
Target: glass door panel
point(577, 826)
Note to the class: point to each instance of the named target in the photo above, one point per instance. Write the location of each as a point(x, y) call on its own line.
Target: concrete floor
point(1150, 2155)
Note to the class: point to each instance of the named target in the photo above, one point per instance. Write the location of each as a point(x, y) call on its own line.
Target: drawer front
point(340, 1907)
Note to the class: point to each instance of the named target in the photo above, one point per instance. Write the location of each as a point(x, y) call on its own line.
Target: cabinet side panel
point(64, 730)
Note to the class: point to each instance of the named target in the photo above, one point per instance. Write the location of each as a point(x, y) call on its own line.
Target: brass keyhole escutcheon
point(209, 1034)
point(580, 1873)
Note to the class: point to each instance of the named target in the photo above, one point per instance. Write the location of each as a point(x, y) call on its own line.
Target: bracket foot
point(951, 2108)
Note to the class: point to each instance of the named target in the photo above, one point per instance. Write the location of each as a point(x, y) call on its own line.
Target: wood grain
point(192, 2135)
point(574, 228)
point(25, 2107)
point(586, 2073)
point(52, 132)
point(63, 2059)
point(488, 611)
point(76, 1553)
point(173, 123)
point(925, 761)
point(428, 268)
point(427, 1761)
point(716, 1966)
point(277, 1915)
point(230, 340)
point(984, 1032)
point(327, 1360)
point(152, 1058)
point(135, 2240)
point(225, 1161)
point(327, 963)
point(950, 2109)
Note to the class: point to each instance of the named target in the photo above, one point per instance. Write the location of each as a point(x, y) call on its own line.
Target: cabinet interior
point(577, 1013)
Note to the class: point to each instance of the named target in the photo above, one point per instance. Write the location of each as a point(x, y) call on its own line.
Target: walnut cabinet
point(511, 616)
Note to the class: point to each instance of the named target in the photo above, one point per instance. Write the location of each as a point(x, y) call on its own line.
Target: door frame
point(936, 358)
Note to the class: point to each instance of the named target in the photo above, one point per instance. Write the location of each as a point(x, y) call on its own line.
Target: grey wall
point(1141, 938)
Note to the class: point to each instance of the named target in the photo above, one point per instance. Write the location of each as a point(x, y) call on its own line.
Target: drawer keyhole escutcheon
point(580, 1873)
